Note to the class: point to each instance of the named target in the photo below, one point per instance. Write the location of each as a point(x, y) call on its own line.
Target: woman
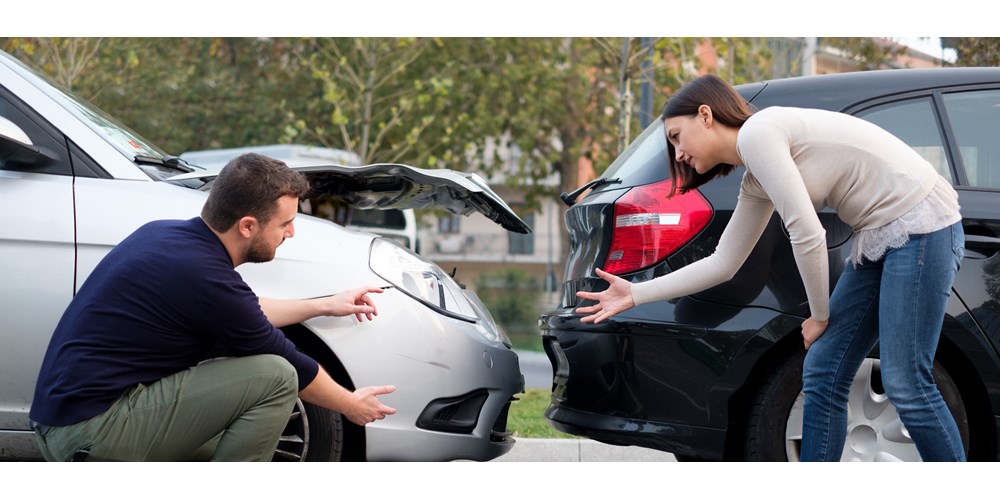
point(907, 248)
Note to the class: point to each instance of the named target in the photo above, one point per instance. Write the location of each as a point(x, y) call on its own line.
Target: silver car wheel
point(874, 431)
point(293, 445)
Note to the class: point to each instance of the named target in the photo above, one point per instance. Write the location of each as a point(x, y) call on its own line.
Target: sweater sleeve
point(737, 241)
point(766, 153)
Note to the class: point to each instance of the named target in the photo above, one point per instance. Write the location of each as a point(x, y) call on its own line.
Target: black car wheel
point(875, 432)
point(313, 434)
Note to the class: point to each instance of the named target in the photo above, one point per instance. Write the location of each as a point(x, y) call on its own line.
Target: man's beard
point(259, 251)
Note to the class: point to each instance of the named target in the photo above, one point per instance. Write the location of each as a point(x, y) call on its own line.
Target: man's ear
point(246, 226)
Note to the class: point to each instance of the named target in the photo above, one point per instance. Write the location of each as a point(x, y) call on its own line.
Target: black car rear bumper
point(698, 442)
point(664, 385)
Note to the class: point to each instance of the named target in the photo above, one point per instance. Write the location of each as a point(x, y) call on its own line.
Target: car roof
point(840, 90)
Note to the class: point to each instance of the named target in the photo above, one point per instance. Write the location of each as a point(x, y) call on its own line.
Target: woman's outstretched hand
point(617, 298)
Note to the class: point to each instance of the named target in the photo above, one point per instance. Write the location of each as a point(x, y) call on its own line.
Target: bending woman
point(908, 245)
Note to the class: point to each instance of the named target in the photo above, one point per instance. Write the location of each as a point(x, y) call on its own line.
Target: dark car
point(717, 375)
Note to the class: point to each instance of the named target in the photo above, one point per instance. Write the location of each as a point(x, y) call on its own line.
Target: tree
point(745, 59)
point(181, 93)
point(975, 51)
point(205, 93)
point(869, 53)
point(553, 101)
point(372, 103)
point(64, 59)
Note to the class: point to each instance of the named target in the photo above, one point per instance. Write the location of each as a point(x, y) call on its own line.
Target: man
point(125, 377)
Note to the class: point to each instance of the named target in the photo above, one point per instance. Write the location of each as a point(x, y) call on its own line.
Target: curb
point(579, 450)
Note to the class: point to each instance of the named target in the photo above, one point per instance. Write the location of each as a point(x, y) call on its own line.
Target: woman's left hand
point(812, 329)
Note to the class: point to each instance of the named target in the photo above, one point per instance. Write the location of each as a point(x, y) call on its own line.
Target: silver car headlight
point(426, 282)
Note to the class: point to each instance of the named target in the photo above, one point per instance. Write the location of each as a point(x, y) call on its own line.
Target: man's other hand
point(367, 408)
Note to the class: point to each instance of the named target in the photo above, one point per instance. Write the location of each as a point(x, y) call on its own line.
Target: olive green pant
point(231, 409)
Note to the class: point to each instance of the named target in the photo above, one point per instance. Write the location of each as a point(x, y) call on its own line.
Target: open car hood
point(391, 185)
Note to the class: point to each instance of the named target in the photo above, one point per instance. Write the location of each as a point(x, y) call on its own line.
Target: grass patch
point(530, 342)
point(527, 416)
point(525, 338)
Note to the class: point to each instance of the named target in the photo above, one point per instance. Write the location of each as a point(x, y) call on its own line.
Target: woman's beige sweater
point(797, 162)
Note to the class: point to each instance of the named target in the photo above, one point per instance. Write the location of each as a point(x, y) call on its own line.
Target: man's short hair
point(250, 184)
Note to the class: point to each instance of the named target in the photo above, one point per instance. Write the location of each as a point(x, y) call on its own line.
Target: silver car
point(74, 182)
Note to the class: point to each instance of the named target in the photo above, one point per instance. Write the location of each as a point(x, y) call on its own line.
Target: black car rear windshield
point(633, 166)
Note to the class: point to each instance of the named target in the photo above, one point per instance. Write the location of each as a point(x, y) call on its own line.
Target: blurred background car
point(717, 375)
point(74, 182)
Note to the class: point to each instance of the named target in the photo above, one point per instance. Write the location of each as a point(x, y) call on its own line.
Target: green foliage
point(181, 93)
point(512, 296)
point(746, 59)
point(868, 53)
point(974, 51)
point(378, 98)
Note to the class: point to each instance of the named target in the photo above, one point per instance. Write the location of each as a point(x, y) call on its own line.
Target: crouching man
point(124, 377)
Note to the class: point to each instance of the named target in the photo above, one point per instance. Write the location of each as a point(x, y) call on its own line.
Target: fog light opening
point(458, 414)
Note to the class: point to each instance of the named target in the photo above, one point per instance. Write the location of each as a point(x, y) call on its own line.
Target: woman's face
point(692, 140)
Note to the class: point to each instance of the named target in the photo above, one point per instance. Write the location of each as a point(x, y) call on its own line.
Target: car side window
point(975, 119)
point(41, 134)
point(915, 123)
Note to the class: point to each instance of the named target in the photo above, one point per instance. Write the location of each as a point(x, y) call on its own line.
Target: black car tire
point(313, 434)
point(779, 396)
point(765, 441)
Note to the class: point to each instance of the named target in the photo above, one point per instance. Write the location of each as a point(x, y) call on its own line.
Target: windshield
point(122, 137)
point(118, 135)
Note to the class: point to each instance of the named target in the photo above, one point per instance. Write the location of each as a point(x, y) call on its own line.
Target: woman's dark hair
point(250, 184)
point(728, 108)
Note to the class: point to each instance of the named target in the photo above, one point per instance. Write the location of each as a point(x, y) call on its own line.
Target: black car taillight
point(649, 225)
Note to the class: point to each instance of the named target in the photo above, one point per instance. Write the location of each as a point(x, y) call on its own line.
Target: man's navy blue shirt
point(157, 304)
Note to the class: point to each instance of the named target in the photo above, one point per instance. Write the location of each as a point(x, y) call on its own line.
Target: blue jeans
point(899, 302)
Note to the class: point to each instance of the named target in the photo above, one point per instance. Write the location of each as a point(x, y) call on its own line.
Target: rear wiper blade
point(570, 198)
point(167, 161)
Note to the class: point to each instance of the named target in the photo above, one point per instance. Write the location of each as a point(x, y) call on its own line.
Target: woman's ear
point(705, 114)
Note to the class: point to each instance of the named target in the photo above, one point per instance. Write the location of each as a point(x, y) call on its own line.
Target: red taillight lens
point(649, 226)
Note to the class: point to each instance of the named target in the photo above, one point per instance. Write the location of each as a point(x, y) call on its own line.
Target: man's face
point(265, 241)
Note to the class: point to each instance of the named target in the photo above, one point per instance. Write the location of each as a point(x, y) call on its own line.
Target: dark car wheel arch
point(353, 436)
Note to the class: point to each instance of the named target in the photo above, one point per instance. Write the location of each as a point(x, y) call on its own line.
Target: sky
point(930, 46)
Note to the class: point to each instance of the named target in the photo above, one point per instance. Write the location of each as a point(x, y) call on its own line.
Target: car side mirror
point(16, 147)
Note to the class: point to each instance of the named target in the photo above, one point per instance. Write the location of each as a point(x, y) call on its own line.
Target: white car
point(74, 182)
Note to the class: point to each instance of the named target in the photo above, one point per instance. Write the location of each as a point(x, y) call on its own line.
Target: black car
point(717, 375)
